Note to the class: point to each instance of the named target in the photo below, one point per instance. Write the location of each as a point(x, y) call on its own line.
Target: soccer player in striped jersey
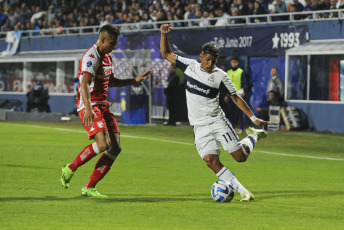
point(96, 75)
point(203, 84)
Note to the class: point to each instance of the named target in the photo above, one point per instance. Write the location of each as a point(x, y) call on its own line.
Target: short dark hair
point(110, 29)
point(211, 48)
point(235, 58)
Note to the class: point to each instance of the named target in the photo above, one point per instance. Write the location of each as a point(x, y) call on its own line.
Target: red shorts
point(105, 121)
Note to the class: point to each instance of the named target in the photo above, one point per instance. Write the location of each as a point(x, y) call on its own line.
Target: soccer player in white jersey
point(95, 76)
point(203, 84)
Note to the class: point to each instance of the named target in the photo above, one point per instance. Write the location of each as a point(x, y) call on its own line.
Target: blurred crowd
point(51, 16)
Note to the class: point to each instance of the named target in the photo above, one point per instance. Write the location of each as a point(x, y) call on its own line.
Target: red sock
point(87, 154)
point(102, 167)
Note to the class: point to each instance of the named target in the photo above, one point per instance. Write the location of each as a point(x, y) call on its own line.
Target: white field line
point(182, 143)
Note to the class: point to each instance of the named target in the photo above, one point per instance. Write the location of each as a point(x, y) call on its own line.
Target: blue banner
point(255, 41)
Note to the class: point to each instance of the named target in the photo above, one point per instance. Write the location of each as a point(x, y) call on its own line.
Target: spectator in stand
point(315, 5)
point(223, 18)
point(198, 15)
point(25, 13)
point(299, 7)
point(46, 28)
point(51, 14)
point(160, 17)
point(3, 17)
point(179, 16)
point(251, 8)
point(187, 14)
point(146, 21)
point(280, 8)
point(74, 24)
point(308, 5)
point(258, 10)
point(333, 7)
point(179, 5)
point(224, 4)
point(242, 8)
point(324, 4)
point(341, 5)
point(292, 9)
point(38, 16)
point(104, 20)
point(205, 22)
point(16, 16)
point(234, 20)
point(152, 12)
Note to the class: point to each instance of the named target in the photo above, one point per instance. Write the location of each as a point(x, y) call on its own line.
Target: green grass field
point(160, 182)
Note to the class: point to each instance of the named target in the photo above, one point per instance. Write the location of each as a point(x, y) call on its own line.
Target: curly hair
point(211, 48)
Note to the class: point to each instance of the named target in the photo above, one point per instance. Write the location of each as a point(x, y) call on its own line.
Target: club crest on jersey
point(89, 64)
point(100, 124)
point(211, 78)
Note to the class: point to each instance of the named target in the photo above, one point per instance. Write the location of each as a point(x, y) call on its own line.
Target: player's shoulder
point(91, 53)
point(219, 72)
point(185, 60)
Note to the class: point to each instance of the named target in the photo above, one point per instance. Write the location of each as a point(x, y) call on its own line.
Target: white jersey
point(202, 91)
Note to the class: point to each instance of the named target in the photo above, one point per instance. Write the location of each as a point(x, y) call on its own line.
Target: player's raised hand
point(260, 122)
point(165, 28)
point(143, 76)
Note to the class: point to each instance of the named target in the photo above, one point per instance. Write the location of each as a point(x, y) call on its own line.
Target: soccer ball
point(222, 191)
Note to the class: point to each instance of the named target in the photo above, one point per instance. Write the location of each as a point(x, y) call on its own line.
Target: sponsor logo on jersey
point(107, 70)
point(191, 86)
point(89, 64)
point(92, 56)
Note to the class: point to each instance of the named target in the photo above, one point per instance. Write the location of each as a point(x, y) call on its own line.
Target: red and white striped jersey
point(101, 69)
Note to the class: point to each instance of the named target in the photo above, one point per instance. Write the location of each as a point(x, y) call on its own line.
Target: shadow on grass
point(112, 198)
point(22, 166)
point(262, 195)
point(149, 198)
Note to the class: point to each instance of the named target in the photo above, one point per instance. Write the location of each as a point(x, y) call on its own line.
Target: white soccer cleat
point(261, 133)
point(246, 196)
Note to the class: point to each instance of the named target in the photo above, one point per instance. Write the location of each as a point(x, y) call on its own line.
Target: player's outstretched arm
point(165, 48)
point(116, 82)
point(246, 109)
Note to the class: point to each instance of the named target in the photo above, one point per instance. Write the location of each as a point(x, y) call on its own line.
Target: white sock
point(95, 148)
point(226, 174)
point(249, 141)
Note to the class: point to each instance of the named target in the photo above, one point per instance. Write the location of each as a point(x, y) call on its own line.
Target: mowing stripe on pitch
point(182, 143)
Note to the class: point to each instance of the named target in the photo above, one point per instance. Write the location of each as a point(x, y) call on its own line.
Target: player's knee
point(240, 157)
point(102, 146)
point(115, 150)
point(211, 161)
